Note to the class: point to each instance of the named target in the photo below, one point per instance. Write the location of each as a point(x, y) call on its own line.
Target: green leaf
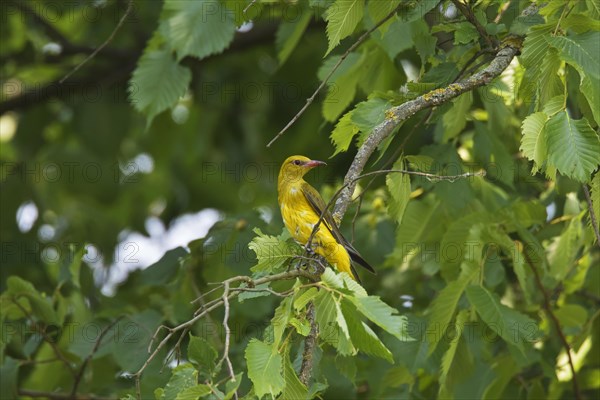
point(183, 377)
point(424, 41)
point(348, 65)
point(157, 83)
point(9, 372)
point(294, 389)
point(383, 315)
point(444, 305)
point(193, 392)
point(533, 143)
point(455, 119)
point(289, 34)
point(550, 83)
point(535, 46)
point(581, 23)
point(197, 28)
point(130, 350)
point(41, 306)
point(395, 38)
point(342, 18)
point(342, 135)
point(164, 269)
point(245, 295)
point(580, 51)
point(232, 386)
point(458, 243)
point(465, 33)
point(353, 286)
point(590, 87)
point(265, 368)
point(332, 279)
point(301, 326)
point(362, 335)
point(75, 267)
point(522, 23)
point(378, 10)
point(398, 376)
point(398, 185)
point(573, 146)
point(280, 320)
point(595, 195)
point(202, 354)
point(414, 229)
point(571, 315)
point(368, 114)
point(272, 252)
point(326, 317)
point(555, 105)
point(509, 324)
point(563, 250)
point(340, 94)
point(505, 367)
point(301, 301)
point(457, 361)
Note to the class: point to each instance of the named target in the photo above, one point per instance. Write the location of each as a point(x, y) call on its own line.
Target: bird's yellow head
point(294, 168)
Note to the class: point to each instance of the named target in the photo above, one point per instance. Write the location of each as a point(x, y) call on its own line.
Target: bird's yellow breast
point(300, 218)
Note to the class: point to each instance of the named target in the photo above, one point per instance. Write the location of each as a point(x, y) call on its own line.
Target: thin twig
point(225, 357)
point(470, 16)
point(547, 306)
point(42, 331)
point(471, 60)
point(387, 164)
point(89, 357)
point(297, 273)
point(287, 293)
point(248, 7)
point(505, 7)
point(428, 176)
point(310, 100)
point(102, 46)
point(593, 216)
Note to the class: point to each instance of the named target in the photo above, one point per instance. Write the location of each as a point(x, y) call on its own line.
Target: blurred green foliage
point(480, 283)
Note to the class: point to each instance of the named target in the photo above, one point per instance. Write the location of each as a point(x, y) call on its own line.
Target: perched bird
point(301, 206)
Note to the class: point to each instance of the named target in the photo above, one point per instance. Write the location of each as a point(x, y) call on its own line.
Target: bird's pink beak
point(314, 163)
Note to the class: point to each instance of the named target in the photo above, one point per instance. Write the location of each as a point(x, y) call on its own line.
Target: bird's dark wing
point(316, 202)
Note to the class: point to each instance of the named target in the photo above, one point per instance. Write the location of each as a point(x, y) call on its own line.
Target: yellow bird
point(301, 206)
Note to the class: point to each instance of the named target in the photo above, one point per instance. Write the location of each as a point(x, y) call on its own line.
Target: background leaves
point(142, 180)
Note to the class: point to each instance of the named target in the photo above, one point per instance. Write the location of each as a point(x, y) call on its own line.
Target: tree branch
point(309, 345)
point(396, 115)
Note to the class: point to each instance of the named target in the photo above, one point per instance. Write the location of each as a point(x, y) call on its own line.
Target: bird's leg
point(317, 261)
point(296, 262)
point(318, 264)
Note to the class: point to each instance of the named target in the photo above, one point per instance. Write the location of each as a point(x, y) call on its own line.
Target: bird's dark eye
point(297, 162)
